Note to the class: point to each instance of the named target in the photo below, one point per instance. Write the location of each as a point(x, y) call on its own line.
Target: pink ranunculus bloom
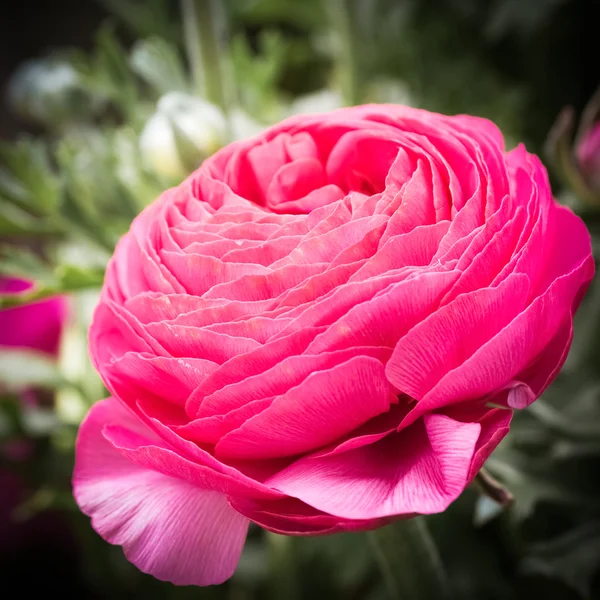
point(322, 329)
point(588, 156)
point(35, 326)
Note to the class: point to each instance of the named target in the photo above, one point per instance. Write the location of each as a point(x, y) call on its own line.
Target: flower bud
point(182, 132)
point(316, 102)
point(587, 153)
point(37, 326)
point(576, 162)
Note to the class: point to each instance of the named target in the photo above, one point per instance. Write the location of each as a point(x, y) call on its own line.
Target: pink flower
point(37, 326)
point(315, 332)
point(588, 156)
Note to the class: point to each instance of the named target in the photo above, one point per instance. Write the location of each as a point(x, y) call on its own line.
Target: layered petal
point(323, 328)
point(420, 470)
point(168, 527)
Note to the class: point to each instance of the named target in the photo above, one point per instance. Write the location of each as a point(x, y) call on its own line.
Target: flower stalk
point(492, 488)
point(409, 560)
point(284, 578)
point(343, 21)
point(202, 25)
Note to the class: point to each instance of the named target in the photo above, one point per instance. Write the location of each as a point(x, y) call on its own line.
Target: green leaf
point(108, 73)
point(26, 368)
point(410, 561)
point(21, 262)
point(158, 63)
point(561, 423)
point(300, 13)
point(257, 74)
point(72, 278)
point(62, 279)
point(149, 17)
point(533, 480)
point(142, 185)
point(15, 221)
point(573, 558)
point(28, 178)
point(96, 202)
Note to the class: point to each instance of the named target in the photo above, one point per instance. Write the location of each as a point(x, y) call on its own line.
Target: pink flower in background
point(588, 156)
point(323, 328)
point(37, 326)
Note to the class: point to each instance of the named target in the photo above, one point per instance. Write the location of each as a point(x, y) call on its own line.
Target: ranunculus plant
point(324, 328)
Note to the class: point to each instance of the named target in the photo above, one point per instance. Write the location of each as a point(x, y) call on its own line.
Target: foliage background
point(74, 173)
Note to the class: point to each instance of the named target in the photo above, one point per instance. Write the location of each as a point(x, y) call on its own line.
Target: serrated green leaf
point(15, 221)
point(28, 178)
point(22, 262)
point(49, 281)
point(257, 73)
point(302, 13)
point(158, 63)
point(560, 422)
point(14, 190)
point(71, 278)
point(108, 73)
point(149, 17)
point(533, 480)
point(142, 185)
point(95, 199)
point(576, 449)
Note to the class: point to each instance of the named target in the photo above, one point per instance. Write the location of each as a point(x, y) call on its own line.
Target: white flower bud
point(316, 102)
point(182, 132)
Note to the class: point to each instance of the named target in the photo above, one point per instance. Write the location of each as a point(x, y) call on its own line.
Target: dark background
point(30, 28)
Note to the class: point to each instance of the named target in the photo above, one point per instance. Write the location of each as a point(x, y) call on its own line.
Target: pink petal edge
point(169, 528)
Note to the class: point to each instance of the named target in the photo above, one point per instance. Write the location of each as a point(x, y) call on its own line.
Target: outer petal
point(452, 334)
point(505, 355)
point(289, 516)
point(494, 423)
point(420, 470)
point(168, 527)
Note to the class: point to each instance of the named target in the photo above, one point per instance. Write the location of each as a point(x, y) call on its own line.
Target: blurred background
point(105, 103)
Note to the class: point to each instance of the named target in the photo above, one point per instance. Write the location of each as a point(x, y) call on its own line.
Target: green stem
point(409, 560)
point(284, 575)
point(343, 22)
point(588, 355)
point(492, 488)
point(202, 29)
